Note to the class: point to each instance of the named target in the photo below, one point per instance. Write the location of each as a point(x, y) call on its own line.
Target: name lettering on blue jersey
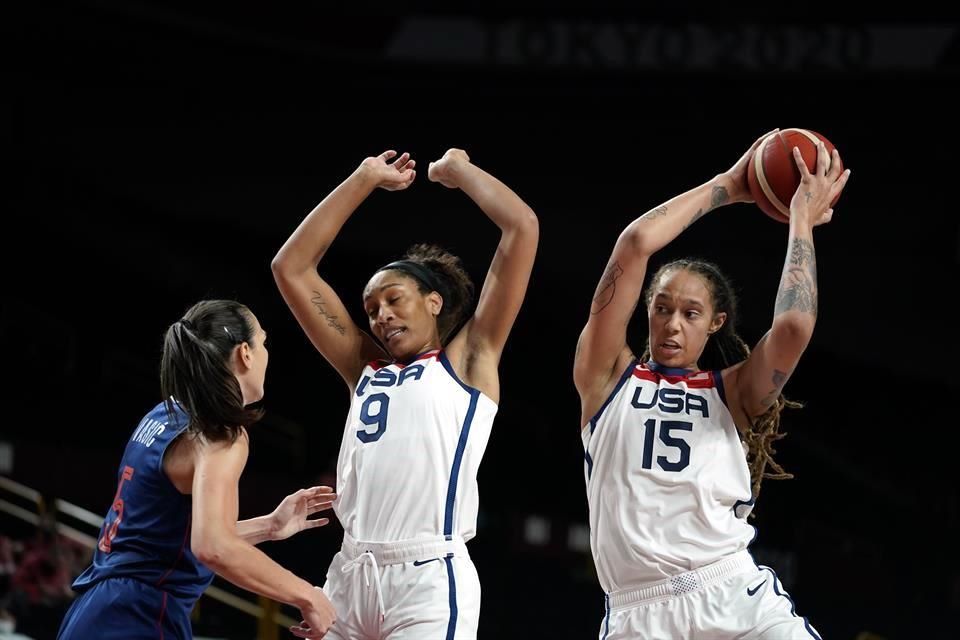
point(387, 378)
point(671, 401)
point(148, 431)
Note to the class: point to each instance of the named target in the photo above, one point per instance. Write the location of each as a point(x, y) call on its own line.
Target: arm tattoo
point(779, 379)
point(607, 287)
point(718, 196)
point(655, 212)
point(699, 214)
point(318, 302)
point(798, 285)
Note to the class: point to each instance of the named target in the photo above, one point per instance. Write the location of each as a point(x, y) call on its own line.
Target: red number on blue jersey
point(110, 531)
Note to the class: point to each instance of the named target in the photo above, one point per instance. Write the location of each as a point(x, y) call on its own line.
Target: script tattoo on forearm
point(331, 319)
point(607, 287)
point(798, 286)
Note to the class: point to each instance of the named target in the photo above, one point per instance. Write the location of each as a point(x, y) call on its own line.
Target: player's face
point(681, 318)
point(402, 318)
point(258, 360)
point(249, 362)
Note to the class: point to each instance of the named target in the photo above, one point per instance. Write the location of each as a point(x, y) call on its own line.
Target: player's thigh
point(776, 615)
point(443, 602)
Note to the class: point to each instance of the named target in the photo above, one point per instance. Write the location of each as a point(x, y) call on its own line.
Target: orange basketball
point(773, 176)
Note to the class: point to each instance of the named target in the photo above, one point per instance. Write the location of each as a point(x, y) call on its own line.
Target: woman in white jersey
point(423, 398)
point(672, 438)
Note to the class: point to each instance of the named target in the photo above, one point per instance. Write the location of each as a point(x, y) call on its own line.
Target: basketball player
point(667, 436)
point(423, 392)
point(173, 522)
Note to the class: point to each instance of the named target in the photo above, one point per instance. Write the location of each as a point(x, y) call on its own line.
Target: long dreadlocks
point(724, 349)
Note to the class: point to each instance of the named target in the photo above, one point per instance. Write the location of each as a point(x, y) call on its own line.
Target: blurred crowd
point(35, 577)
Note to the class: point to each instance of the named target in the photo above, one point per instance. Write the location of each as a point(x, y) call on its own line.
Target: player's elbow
point(636, 240)
point(793, 330)
point(528, 223)
point(212, 550)
point(280, 265)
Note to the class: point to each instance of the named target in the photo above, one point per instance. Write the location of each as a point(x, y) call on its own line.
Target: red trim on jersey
point(376, 365)
point(696, 380)
point(183, 545)
point(430, 354)
point(163, 610)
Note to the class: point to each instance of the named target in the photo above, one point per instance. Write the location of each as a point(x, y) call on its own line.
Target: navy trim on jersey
point(457, 460)
point(743, 503)
point(616, 389)
point(380, 363)
point(655, 366)
point(793, 605)
point(747, 503)
point(718, 383)
point(593, 421)
point(445, 361)
point(452, 625)
point(419, 356)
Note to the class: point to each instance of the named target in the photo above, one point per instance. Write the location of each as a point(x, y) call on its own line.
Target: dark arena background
point(157, 154)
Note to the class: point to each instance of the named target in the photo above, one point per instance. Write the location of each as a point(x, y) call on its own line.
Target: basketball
point(772, 173)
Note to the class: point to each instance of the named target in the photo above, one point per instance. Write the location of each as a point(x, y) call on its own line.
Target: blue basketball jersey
point(146, 533)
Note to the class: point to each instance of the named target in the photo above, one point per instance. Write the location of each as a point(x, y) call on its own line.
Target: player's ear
point(716, 322)
point(434, 303)
point(242, 358)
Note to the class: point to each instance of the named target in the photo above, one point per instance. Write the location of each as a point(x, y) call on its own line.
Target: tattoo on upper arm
point(798, 286)
point(607, 287)
point(331, 319)
point(779, 379)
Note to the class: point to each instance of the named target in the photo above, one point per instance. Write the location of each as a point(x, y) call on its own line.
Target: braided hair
point(726, 348)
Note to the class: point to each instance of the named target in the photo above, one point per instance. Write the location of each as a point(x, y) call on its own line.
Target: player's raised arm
point(759, 381)
point(314, 303)
point(602, 350)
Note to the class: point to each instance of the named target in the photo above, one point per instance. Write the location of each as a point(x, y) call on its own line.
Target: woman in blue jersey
point(173, 521)
point(676, 441)
point(423, 391)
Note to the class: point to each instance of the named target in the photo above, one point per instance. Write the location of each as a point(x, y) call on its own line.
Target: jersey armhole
point(616, 389)
point(717, 375)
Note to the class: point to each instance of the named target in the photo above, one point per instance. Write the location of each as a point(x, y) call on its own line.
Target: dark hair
point(454, 285)
point(195, 368)
point(725, 348)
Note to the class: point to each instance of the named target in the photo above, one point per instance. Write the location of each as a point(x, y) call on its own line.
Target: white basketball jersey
point(667, 479)
point(410, 452)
